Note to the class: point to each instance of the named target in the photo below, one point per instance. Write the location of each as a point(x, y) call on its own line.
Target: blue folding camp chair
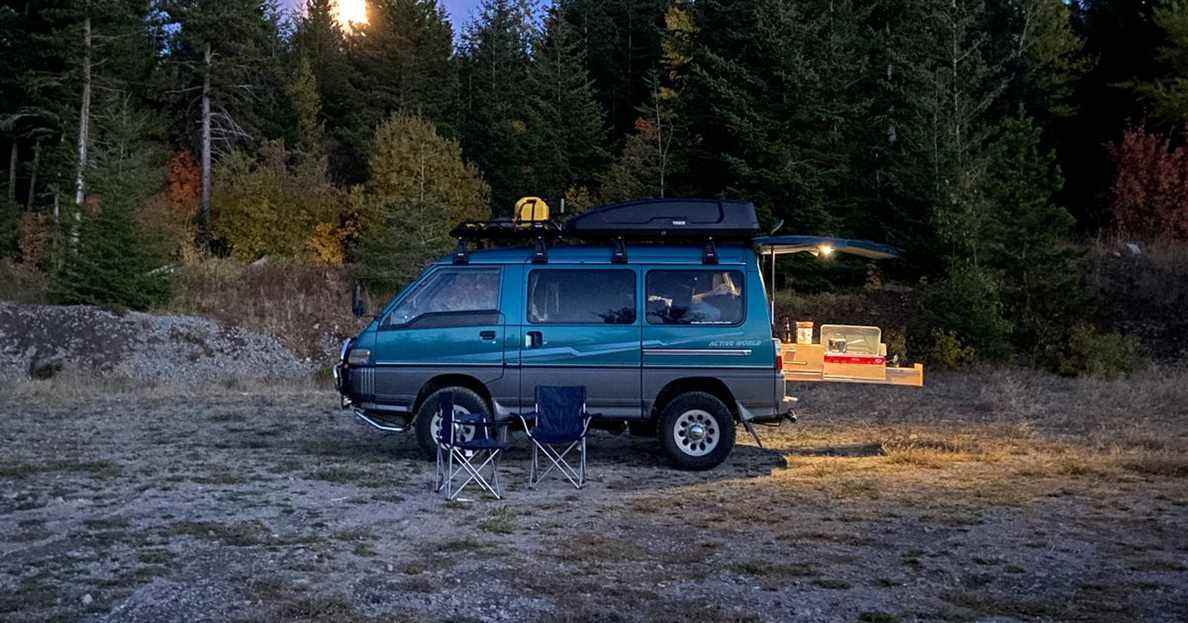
point(560, 420)
point(474, 442)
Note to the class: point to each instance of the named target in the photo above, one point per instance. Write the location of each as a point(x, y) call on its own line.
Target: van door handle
point(534, 339)
point(487, 335)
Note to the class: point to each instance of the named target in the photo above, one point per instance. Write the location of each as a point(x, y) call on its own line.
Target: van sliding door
point(581, 326)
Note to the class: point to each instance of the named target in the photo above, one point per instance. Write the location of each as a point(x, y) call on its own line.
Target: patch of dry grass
point(966, 443)
point(300, 304)
point(73, 387)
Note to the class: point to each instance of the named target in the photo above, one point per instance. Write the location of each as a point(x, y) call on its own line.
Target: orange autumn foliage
point(171, 212)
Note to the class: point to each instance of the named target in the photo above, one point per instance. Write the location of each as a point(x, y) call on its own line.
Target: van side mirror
point(357, 306)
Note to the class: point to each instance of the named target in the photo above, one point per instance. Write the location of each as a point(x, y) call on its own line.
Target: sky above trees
point(460, 10)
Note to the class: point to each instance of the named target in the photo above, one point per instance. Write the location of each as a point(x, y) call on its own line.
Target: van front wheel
point(697, 431)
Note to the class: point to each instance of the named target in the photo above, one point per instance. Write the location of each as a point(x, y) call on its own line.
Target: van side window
point(695, 297)
point(449, 290)
point(581, 297)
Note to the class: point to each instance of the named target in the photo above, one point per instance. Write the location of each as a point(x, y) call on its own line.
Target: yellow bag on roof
point(531, 209)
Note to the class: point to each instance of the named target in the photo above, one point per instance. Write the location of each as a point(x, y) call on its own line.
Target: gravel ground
point(255, 503)
point(177, 349)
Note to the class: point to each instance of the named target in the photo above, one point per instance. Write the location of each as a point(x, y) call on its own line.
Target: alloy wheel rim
point(696, 432)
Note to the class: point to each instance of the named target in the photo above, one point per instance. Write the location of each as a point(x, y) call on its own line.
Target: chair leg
point(449, 475)
point(495, 475)
point(531, 470)
point(582, 468)
point(437, 475)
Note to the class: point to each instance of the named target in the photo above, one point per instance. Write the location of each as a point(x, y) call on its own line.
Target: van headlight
point(344, 348)
point(359, 357)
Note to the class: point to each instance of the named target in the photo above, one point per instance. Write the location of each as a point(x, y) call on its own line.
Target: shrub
point(172, 212)
point(967, 309)
point(1149, 197)
point(946, 351)
point(34, 231)
point(9, 227)
point(1090, 352)
point(21, 282)
point(273, 207)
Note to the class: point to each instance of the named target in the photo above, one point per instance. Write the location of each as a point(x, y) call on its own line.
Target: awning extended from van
point(823, 245)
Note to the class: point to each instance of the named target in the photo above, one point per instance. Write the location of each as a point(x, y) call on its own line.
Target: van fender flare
point(707, 384)
point(450, 380)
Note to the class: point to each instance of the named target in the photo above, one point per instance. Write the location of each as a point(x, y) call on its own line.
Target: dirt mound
point(1145, 296)
point(177, 349)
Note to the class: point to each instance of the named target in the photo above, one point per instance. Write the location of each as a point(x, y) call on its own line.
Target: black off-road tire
point(463, 397)
point(714, 418)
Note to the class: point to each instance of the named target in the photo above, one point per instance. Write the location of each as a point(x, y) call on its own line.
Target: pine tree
point(1121, 39)
point(114, 263)
point(311, 136)
point(947, 130)
point(493, 68)
point(623, 46)
point(1168, 94)
point(1043, 56)
point(420, 188)
point(1026, 240)
point(566, 126)
point(402, 60)
point(319, 41)
point(655, 154)
point(775, 88)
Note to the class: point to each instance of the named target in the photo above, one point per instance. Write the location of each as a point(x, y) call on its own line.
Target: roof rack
point(506, 229)
point(540, 233)
point(695, 221)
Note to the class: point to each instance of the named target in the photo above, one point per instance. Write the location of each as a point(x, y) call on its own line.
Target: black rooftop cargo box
point(668, 219)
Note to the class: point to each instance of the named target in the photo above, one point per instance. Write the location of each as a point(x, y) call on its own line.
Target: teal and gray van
point(670, 339)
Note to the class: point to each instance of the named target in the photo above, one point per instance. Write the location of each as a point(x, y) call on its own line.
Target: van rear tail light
point(359, 357)
point(779, 363)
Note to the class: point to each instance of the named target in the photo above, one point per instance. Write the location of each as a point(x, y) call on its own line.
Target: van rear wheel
point(697, 431)
point(428, 422)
